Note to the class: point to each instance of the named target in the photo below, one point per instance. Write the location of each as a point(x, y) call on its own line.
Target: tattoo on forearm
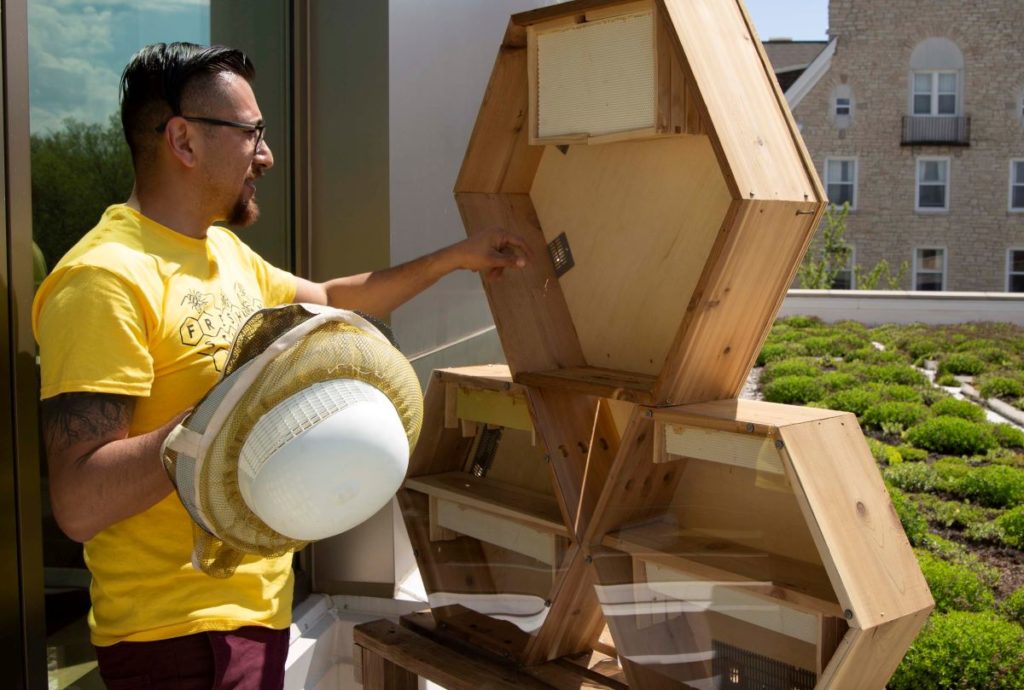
point(71, 418)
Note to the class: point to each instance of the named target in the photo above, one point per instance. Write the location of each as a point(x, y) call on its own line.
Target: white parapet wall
point(873, 307)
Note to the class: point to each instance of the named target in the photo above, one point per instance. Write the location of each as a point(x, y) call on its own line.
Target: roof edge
point(811, 76)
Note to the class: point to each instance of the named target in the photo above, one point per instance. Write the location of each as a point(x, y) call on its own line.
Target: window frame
point(1009, 267)
point(917, 184)
point(854, 184)
point(1014, 162)
point(934, 93)
point(848, 106)
point(916, 268)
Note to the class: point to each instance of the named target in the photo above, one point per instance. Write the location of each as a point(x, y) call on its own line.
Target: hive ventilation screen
point(597, 78)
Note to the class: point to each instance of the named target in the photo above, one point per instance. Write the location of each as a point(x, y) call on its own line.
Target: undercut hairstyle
point(161, 77)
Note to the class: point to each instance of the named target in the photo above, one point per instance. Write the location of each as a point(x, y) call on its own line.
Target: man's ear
point(180, 140)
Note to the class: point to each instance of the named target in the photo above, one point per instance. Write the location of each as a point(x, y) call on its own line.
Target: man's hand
point(492, 251)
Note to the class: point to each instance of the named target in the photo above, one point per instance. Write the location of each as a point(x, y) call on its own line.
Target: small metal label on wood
point(561, 254)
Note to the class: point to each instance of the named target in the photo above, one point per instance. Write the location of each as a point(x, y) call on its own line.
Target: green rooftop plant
point(794, 366)
point(963, 649)
point(1008, 436)
point(794, 390)
point(965, 409)
point(897, 373)
point(911, 517)
point(855, 400)
point(894, 414)
point(1001, 386)
point(997, 486)
point(1013, 606)
point(1011, 524)
point(961, 364)
point(954, 587)
point(951, 435)
point(913, 476)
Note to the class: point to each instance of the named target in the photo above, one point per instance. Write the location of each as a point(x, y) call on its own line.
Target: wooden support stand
point(391, 657)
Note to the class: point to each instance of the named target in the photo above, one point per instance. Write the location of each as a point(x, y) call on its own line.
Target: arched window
point(936, 78)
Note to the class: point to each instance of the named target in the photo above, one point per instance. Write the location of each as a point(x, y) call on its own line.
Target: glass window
point(80, 165)
point(935, 93)
point(842, 106)
point(1015, 277)
point(841, 181)
point(930, 269)
point(1017, 185)
point(932, 184)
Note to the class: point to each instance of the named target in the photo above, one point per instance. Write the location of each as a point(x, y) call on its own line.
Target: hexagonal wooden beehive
point(743, 544)
point(646, 154)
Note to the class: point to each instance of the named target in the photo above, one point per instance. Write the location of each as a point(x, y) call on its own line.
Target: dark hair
point(155, 80)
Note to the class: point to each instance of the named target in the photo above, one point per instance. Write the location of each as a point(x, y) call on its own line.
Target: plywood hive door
point(644, 151)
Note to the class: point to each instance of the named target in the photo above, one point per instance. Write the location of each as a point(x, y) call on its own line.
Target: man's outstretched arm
point(380, 292)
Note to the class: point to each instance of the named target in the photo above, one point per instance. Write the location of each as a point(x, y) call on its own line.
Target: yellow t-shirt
point(137, 309)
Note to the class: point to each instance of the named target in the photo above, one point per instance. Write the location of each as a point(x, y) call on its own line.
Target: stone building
point(914, 113)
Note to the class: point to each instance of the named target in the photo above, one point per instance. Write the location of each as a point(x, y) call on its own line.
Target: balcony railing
point(936, 129)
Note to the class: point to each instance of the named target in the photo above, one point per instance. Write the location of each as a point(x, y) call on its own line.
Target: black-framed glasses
point(258, 127)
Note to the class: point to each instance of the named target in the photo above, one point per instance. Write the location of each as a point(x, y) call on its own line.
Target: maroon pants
point(249, 658)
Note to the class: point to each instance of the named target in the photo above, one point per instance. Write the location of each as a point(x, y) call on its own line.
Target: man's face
point(236, 158)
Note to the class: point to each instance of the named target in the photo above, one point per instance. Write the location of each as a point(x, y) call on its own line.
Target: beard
point(244, 213)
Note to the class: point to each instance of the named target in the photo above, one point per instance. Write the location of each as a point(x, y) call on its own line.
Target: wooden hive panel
point(684, 235)
point(756, 533)
point(499, 561)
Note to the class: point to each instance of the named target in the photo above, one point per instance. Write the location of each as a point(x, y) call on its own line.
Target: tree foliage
point(76, 173)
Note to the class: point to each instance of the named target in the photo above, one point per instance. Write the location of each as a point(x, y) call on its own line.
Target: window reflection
point(81, 165)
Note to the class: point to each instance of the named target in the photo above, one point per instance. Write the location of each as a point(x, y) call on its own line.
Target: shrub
point(818, 346)
point(954, 587)
point(897, 373)
point(855, 400)
point(962, 649)
point(802, 321)
point(794, 366)
point(838, 380)
point(911, 454)
point(794, 390)
point(897, 392)
point(961, 364)
point(953, 513)
point(773, 352)
point(870, 355)
point(957, 553)
point(914, 477)
point(922, 348)
point(997, 486)
point(1013, 606)
point(883, 453)
point(1008, 436)
point(1011, 525)
point(948, 380)
point(1005, 387)
point(951, 435)
point(949, 473)
point(913, 521)
point(901, 414)
point(965, 409)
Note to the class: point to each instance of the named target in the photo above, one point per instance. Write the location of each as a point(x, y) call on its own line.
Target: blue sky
point(805, 20)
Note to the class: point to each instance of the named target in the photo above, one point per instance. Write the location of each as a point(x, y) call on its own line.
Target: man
point(133, 325)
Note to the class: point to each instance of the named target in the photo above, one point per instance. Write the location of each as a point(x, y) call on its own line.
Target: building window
point(1017, 185)
point(932, 184)
point(846, 277)
point(1015, 270)
point(935, 93)
point(841, 181)
point(842, 106)
point(930, 269)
